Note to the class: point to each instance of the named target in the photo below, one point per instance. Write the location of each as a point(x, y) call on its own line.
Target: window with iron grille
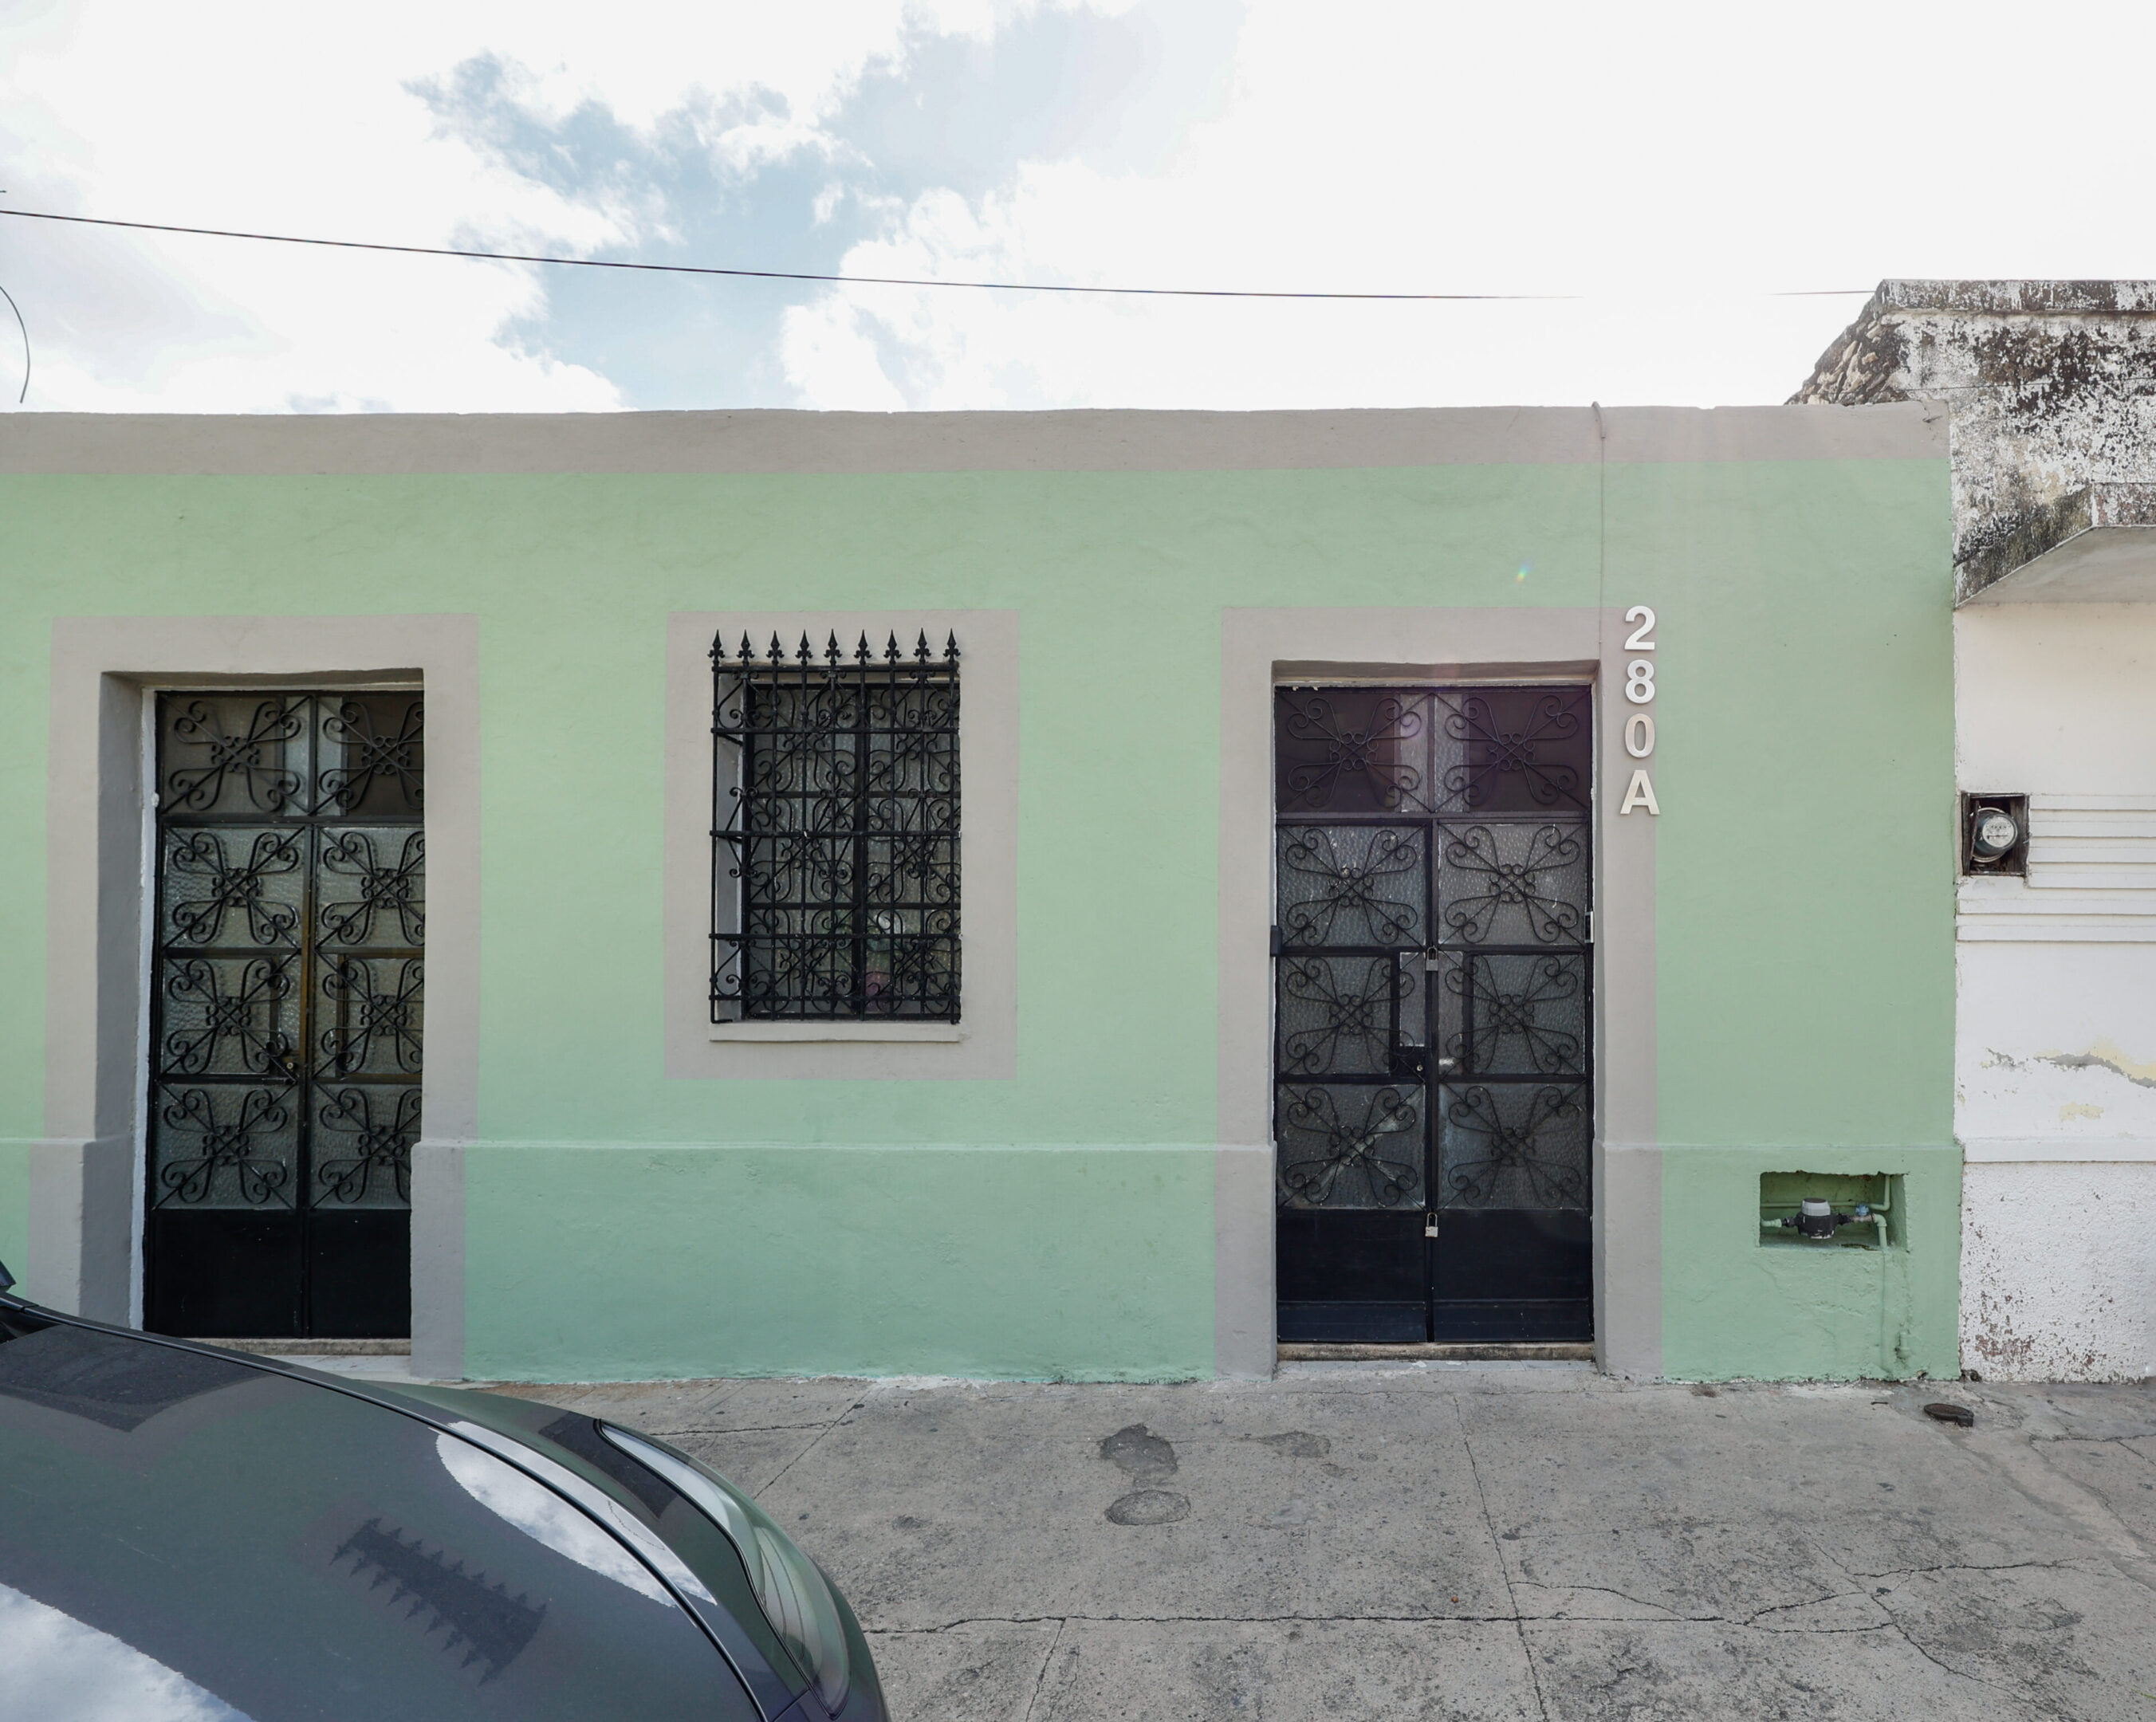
point(834, 863)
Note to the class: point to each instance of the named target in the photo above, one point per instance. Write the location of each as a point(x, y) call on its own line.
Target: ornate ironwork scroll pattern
point(220, 749)
point(1353, 884)
point(207, 889)
point(230, 1016)
point(394, 892)
point(1350, 1147)
point(372, 1022)
point(377, 743)
point(912, 755)
point(1512, 1014)
point(835, 881)
point(291, 916)
point(1339, 1016)
point(1512, 884)
point(1450, 873)
point(1515, 749)
point(226, 1146)
point(805, 776)
point(1513, 1146)
point(1345, 750)
point(363, 1138)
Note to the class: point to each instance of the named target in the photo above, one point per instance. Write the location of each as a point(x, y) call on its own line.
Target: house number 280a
point(1640, 725)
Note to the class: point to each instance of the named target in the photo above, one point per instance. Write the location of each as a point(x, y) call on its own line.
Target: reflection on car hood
point(201, 1538)
point(59, 1666)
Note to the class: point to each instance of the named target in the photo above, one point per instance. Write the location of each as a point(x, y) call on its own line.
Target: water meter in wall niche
point(1995, 834)
point(1829, 1210)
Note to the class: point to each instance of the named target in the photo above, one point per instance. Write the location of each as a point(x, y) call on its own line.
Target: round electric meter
point(1995, 834)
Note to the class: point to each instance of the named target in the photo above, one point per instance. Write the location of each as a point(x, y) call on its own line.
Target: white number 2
point(1639, 680)
point(1637, 640)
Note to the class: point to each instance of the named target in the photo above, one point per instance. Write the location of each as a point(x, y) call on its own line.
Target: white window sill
point(838, 1031)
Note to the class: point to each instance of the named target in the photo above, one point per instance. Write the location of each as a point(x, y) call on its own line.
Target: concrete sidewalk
point(1484, 1541)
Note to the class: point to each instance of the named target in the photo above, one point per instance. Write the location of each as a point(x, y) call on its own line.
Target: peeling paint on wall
point(2058, 1279)
point(2050, 386)
point(2099, 1094)
point(2104, 1055)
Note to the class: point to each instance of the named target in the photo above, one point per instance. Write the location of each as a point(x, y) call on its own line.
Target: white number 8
point(1639, 680)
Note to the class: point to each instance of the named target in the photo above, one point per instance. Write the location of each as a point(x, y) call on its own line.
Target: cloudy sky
point(1680, 170)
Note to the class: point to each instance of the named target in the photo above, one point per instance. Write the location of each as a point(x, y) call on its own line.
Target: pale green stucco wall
point(1060, 1223)
point(25, 606)
point(1804, 924)
point(15, 1208)
point(1045, 1260)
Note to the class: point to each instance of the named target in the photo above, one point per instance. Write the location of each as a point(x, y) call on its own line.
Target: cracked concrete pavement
point(1482, 1541)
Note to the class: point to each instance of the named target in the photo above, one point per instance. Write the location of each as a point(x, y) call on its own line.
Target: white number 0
point(1639, 680)
point(1637, 640)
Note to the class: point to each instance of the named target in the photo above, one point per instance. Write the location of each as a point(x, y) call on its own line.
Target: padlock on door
point(1429, 1225)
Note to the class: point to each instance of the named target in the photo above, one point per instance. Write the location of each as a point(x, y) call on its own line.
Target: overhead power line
point(688, 269)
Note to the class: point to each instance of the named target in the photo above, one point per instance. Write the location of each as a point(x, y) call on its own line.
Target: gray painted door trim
point(1260, 647)
point(83, 1177)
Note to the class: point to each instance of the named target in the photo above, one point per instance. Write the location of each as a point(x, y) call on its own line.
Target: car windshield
point(183, 1536)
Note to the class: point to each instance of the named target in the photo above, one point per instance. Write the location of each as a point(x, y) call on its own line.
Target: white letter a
point(1641, 794)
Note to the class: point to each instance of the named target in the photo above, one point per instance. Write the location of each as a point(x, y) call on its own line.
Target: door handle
point(1405, 1063)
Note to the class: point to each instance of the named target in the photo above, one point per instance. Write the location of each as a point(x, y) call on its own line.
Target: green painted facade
point(619, 1223)
point(14, 1205)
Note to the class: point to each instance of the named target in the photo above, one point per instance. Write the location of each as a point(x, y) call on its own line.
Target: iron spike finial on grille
point(778, 651)
point(747, 651)
point(950, 650)
point(832, 654)
point(806, 654)
point(861, 653)
point(921, 651)
point(892, 653)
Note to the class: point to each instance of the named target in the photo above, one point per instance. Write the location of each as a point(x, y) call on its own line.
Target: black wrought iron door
point(1433, 1079)
point(285, 1013)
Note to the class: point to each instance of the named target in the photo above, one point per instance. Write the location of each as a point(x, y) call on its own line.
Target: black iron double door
point(286, 1014)
point(1433, 1098)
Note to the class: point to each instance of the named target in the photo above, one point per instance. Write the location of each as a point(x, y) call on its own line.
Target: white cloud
point(305, 120)
point(1673, 162)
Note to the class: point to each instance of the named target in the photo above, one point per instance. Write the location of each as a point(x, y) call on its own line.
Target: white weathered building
point(2049, 392)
